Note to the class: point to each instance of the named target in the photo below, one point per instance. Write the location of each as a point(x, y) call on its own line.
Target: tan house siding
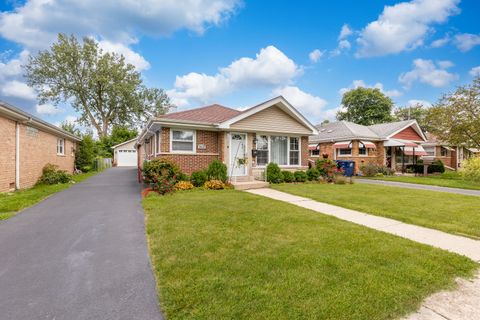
point(7, 155)
point(271, 120)
point(37, 148)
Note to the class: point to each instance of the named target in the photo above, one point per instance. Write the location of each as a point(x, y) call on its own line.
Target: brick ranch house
point(393, 144)
point(246, 141)
point(451, 156)
point(28, 145)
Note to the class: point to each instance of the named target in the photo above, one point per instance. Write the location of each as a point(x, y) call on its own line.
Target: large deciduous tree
point(418, 112)
point(100, 85)
point(457, 116)
point(365, 106)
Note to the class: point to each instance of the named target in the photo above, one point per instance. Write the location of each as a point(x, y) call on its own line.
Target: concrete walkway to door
point(79, 254)
point(461, 245)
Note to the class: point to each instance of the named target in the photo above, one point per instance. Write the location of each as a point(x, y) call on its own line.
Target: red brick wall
point(408, 134)
point(304, 151)
point(37, 148)
point(7, 155)
point(375, 156)
point(449, 160)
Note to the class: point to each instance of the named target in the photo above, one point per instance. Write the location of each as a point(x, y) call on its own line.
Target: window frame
point(363, 155)
point(157, 142)
point(194, 141)
point(62, 145)
point(442, 151)
point(269, 150)
point(344, 155)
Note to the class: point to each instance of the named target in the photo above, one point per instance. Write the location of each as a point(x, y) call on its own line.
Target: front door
point(238, 154)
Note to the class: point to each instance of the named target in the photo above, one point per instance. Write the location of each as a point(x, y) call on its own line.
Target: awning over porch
point(343, 145)
point(418, 150)
point(312, 147)
point(399, 143)
point(368, 145)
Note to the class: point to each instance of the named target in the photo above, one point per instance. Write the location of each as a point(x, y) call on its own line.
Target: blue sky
point(240, 53)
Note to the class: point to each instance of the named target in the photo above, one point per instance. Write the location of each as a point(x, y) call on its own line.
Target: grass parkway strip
point(450, 181)
point(452, 213)
point(232, 255)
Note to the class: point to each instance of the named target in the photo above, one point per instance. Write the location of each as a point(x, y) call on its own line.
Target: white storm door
point(238, 148)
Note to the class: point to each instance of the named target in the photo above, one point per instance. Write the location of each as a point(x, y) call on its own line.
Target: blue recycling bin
point(348, 167)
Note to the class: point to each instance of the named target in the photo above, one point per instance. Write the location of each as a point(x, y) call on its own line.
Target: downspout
point(17, 155)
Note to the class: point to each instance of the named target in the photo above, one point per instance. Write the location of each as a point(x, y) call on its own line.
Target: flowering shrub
point(183, 185)
point(163, 184)
point(471, 169)
point(214, 185)
point(327, 169)
point(160, 168)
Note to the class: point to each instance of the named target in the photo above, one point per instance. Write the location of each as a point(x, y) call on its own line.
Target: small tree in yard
point(85, 154)
point(101, 86)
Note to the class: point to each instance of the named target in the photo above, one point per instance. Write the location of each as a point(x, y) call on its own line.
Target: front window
point(315, 152)
point(363, 151)
point(430, 151)
point(279, 153)
point(262, 150)
point(294, 151)
point(443, 151)
point(157, 141)
point(183, 141)
point(345, 152)
point(61, 146)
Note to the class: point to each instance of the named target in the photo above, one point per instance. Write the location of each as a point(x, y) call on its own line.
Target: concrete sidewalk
point(461, 245)
point(417, 186)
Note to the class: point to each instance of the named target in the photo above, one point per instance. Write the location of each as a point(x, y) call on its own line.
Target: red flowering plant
point(327, 169)
point(163, 184)
point(162, 174)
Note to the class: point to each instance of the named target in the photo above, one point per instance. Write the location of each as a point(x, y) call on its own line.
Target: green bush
point(183, 177)
point(288, 176)
point(198, 178)
point(313, 174)
point(471, 169)
point(274, 174)
point(161, 169)
point(372, 170)
point(327, 169)
point(300, 176)
point(217, 171)
point(85, 154)
point(51, 175)
point(436, 166)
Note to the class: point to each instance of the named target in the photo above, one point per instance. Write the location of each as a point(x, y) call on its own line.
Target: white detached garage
point(124, 154)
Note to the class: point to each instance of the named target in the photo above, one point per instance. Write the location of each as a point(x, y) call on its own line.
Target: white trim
point(63, 146)
point(281, 101)
point(194, 141)
point(231, 150)
point(125, 142)
point(269, 157)
point(343, 155)
point(362, 155)
point(17, 156)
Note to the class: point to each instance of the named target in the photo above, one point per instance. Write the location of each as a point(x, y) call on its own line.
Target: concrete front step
point(247, 185)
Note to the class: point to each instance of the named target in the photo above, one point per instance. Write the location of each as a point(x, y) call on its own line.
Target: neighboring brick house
point(28, 145)
point(393, 144)
point(246, 141)
point(451, 156)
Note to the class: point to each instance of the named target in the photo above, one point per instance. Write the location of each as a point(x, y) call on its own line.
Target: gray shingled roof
point(344, 130)
point(386, 129)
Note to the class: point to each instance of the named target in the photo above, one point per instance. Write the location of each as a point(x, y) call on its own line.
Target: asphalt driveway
point(80, 254)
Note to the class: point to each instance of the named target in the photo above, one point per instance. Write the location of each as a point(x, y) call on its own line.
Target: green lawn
point(451, 213)
point(11, 203)
point(233, 255)
point(451, 181)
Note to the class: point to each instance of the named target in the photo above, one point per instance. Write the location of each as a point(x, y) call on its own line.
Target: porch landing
point(247, 185)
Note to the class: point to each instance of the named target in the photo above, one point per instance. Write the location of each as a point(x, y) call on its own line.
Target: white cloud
point(475, 72)
point(130, 56)
point(466, 41)
point(271, 67)
point(308, 104)
point(440, 42)
point(13, 67)
point(18, 89)
point(315, 55)
point(414, 102)
point(425, 71)
point(344, 32)
point(360, 83)
point(445, 64)
point(47, 109)
point(36, 23)
point(403, 26)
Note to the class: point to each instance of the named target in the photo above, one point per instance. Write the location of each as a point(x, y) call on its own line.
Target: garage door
point(127, 158)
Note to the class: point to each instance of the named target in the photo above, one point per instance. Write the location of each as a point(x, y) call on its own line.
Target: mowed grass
point(451, 181)
point(233, 255)
point(448, 212)
point(11, 203)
